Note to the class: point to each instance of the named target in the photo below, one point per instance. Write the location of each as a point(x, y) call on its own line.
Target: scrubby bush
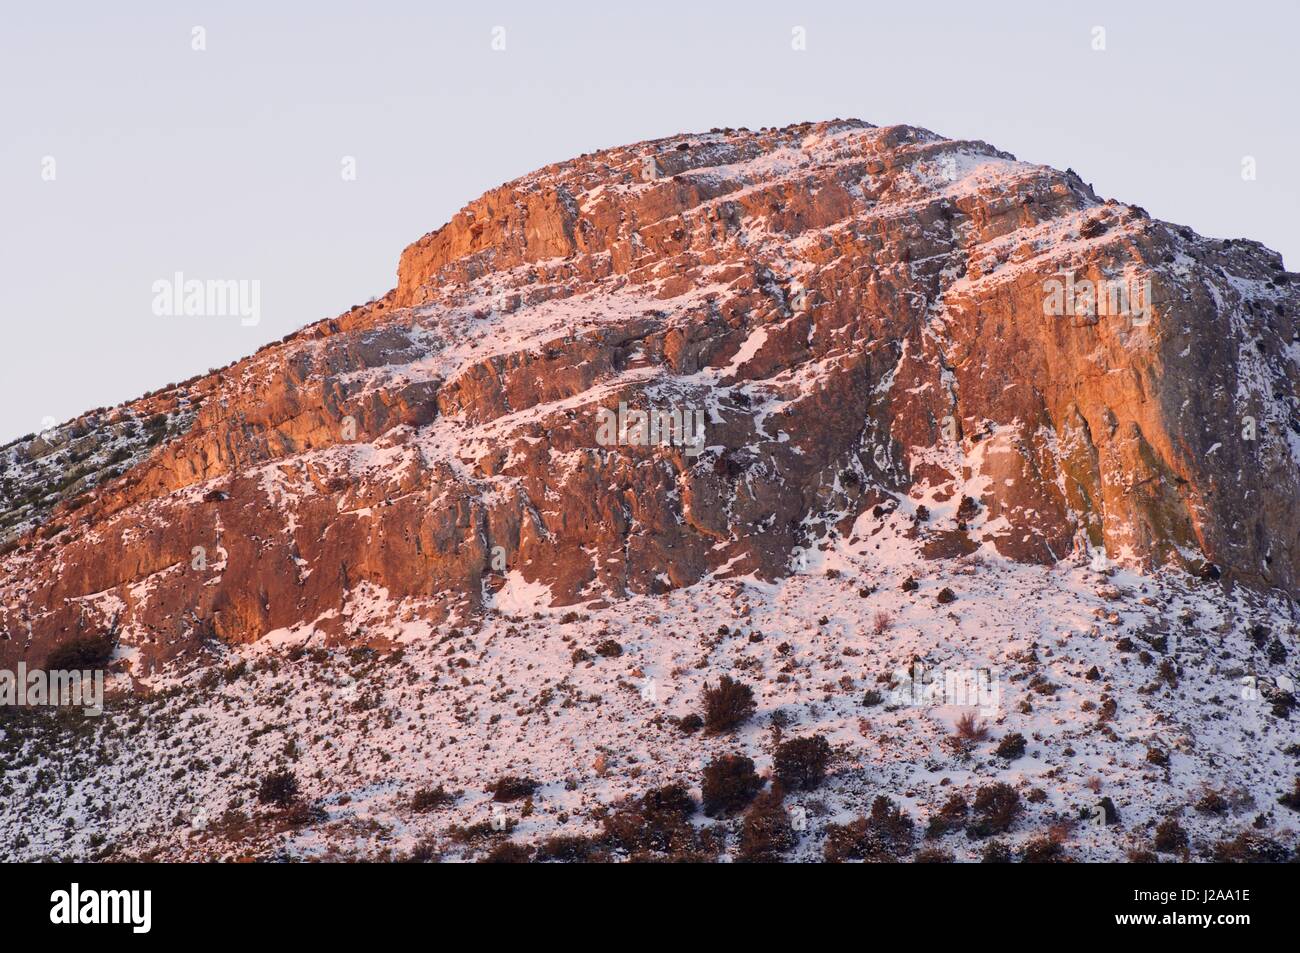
point(880, 837)
point(801, 762)
point(727, 705)
point(933, 855)
point(950, 817)
point(996, 852)
point(766, 833)
point(430, 799)
point(1249, 847)
point(508, 852)
point(1011, 746)
point(658, 821)
point(511, 788)
point(1212, 802)
point(1292, 799)
point(729, 784)
point(690, 723)
point(1170, 836)
point(996, 808)
point(970, 729)
point(570, 848)
point(1044, 850)
point(278, 788)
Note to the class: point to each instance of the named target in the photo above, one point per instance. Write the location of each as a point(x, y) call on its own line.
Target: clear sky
point(228, 162)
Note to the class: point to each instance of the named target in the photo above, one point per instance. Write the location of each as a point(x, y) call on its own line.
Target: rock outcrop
point(877, 326)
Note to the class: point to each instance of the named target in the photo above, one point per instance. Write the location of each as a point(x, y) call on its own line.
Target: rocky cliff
point(877, 329)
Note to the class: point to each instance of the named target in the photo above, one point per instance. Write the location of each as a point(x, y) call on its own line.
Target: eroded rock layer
point(873, 323)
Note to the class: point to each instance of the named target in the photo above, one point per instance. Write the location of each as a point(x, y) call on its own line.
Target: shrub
point(766, 832)
point(1011, 746)
point(801, 762)
point(569, 848)
point(278, 788)
point(729, 784)
point(996, 808)
point(659, 821)
point(727, 704)
point(881, 622)
point(1250, 848)
point(1044, 850)
point(430, 799)
point(609, 649)
point(970, 729)
point(511, 788)
point(879, 837)
point(508, 852)
point(691, 723)
point(1292, 799)
point(1170, 836)
point(933, 855)
point(949, 818)
point(87, 652)
point(299, 814)
point(996, 852)
point(1212, 802)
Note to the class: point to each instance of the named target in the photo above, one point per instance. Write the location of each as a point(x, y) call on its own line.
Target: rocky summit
point(799, 406)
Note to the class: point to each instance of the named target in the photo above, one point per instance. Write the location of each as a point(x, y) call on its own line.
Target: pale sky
point(226, 162)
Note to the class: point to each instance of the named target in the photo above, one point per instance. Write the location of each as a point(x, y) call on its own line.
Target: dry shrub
point(511, 788)
point(950, 817)
point(729, 784)
point(1250, 847)
point(996, 808)
point(801, 762)
point(508, 852)
point(659, 821)
point(727, 705)
point(278, 788)
point(1170, 836)
point(430, 799)
point(1045, 849)
point(1011, 746)
point(879, 838)
point(766, 833)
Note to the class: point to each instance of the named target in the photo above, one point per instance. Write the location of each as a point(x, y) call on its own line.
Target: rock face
point(872, 324)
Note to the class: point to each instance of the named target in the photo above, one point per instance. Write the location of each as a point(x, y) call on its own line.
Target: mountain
point(914, 403)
